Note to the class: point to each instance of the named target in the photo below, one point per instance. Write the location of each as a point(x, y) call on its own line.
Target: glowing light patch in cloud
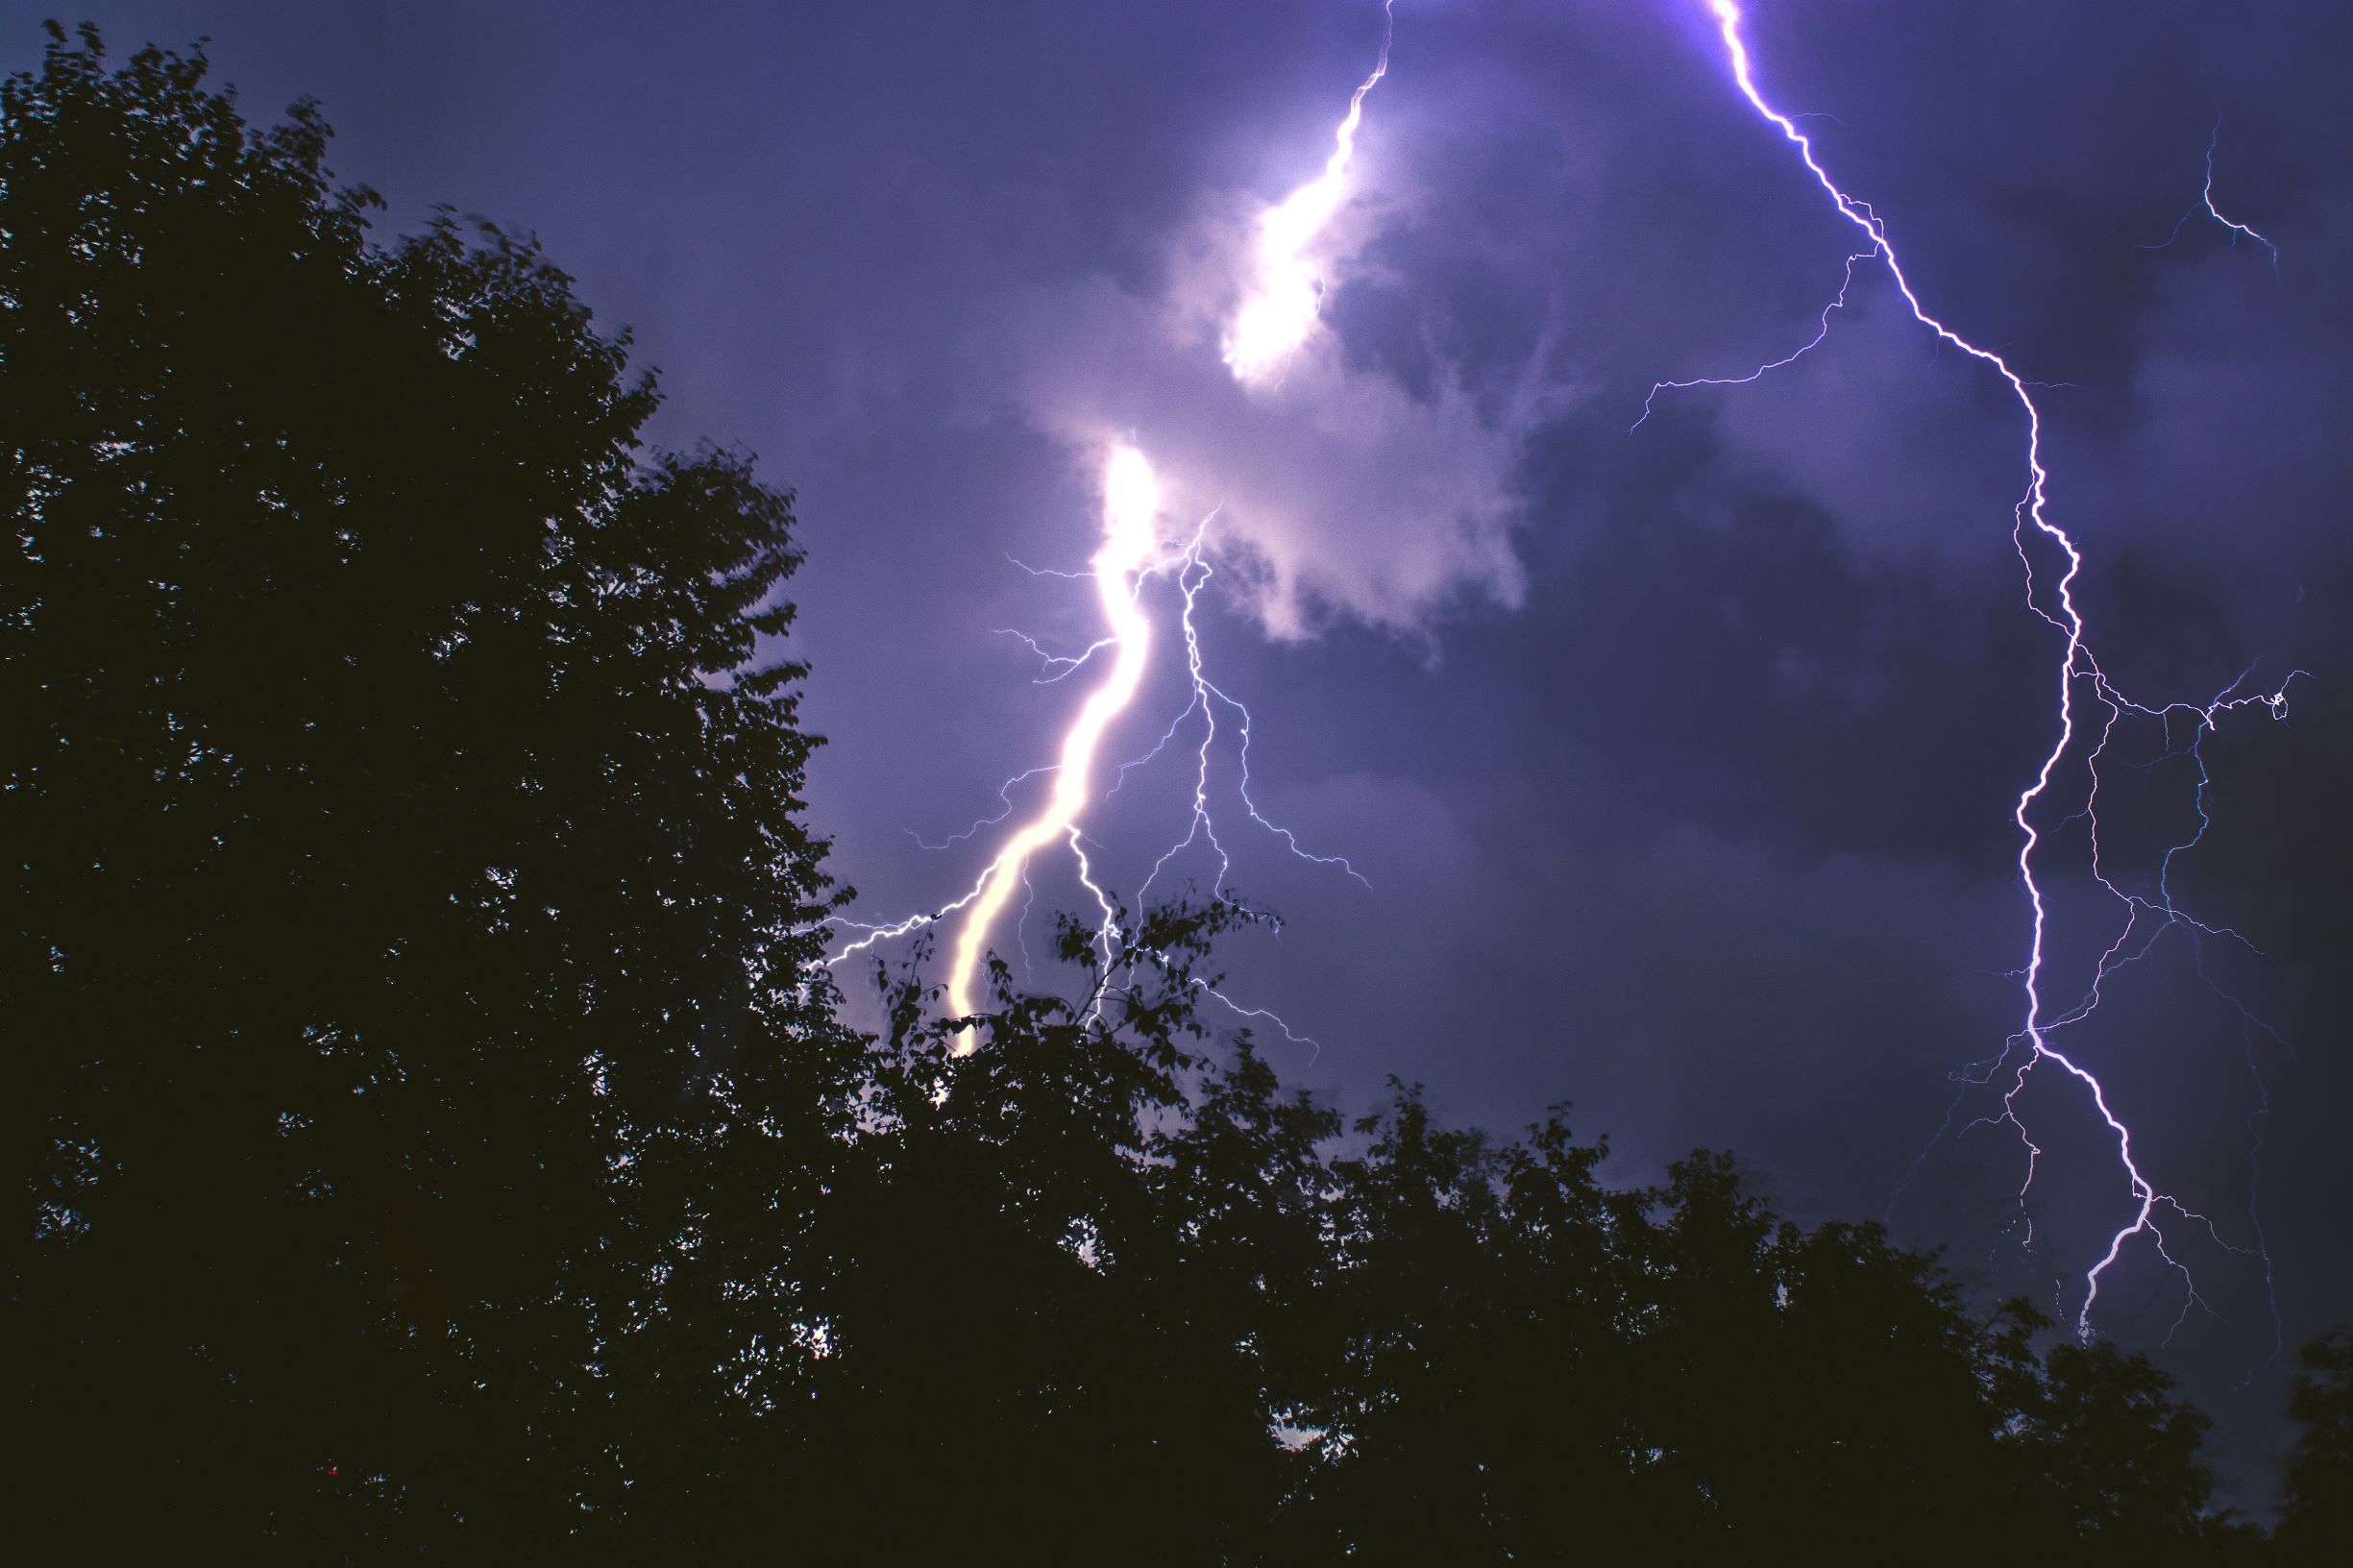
point(1281, 308)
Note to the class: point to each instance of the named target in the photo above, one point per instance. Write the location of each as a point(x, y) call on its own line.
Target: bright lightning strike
point(1274, 319)
point(1129, 555)
point(1281, 308)
point(2152, 1210)
point(1131, 507)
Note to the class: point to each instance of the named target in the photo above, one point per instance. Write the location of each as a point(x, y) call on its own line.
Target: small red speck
point(334, 1470)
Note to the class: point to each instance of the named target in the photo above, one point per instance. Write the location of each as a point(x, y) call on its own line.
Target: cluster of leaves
point(1106, 1274)
point(402, 837)
point(442, 1131)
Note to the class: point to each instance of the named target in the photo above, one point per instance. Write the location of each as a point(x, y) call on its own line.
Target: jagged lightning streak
point(1280, 307)
point(1131, 553)
point(1193, 573)
point(2205, 198)
point(2079, 664)
point(1126, 555)
point(1131, 509)
point(1274, 318)
point(1821, 330)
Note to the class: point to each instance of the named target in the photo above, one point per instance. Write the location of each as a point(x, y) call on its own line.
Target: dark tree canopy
point(404, 833)
point(443, 1138)
point(2316, 1517)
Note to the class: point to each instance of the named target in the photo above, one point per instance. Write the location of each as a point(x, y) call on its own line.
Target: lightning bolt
point(1130, 553)
point(1277, 312)
point(2152, 1210)
point(1131, 510)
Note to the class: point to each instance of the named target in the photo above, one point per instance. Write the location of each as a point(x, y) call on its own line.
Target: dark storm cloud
point(1681, 763)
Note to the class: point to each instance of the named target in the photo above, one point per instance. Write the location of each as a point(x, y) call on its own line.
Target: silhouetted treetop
point(2317, 1514)
point(403, 822)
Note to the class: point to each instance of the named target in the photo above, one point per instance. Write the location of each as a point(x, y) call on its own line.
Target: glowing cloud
point(1280, 309)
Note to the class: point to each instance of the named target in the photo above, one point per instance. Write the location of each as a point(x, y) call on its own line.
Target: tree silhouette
point(402, 832)
point(2316, 1516)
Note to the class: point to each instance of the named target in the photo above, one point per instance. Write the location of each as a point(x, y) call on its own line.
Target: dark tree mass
point(444, 1137)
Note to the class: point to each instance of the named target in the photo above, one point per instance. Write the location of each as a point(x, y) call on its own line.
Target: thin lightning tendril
point(2205, 197)
point(1768, 367)
point(1193, 573)
point(2152, 1210)
point(1004, 793)
point(1063, 666)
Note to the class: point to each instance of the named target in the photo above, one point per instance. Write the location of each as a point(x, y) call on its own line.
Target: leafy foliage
point(2316, 1521)
point(406, 840)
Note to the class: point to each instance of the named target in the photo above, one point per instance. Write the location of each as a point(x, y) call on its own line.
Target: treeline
point(442, 1131)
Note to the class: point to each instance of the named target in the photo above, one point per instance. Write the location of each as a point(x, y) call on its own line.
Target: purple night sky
point(1681, 763)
